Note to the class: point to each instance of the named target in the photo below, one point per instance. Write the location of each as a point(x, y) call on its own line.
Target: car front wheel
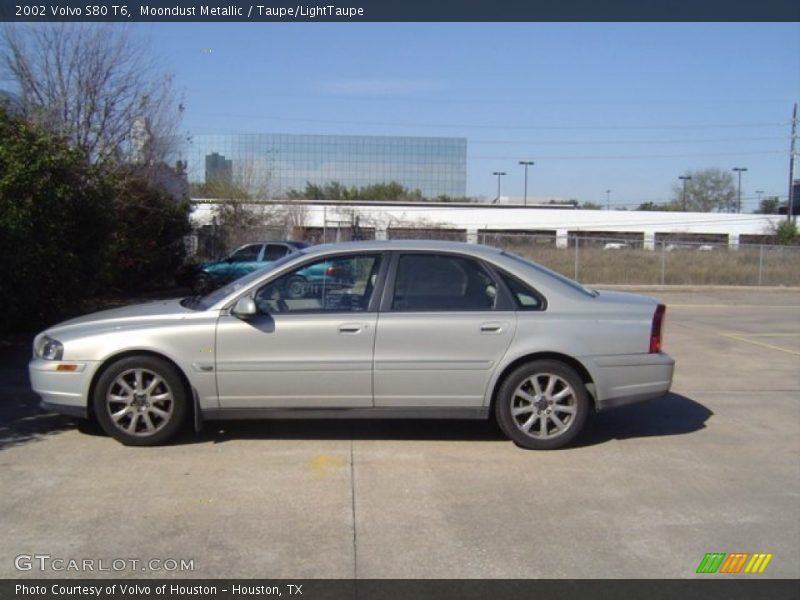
point(140, 401)
point(542, 405)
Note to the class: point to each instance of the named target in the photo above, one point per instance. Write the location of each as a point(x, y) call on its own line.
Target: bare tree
point(242, 214)
point(95, 85)
point(707, 190)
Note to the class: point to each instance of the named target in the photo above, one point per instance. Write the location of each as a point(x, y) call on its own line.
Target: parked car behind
point(388, 329)
point(208, 276)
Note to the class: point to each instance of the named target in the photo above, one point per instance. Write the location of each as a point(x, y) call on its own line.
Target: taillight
point(655, 330)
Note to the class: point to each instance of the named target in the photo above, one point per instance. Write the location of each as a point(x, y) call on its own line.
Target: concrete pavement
point(646, 491)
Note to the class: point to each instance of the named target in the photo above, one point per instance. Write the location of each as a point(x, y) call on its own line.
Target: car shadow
point(21, 419)
point(345, 429)
point(673, 414)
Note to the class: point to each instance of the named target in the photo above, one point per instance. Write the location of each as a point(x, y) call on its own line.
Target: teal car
point(208, 276)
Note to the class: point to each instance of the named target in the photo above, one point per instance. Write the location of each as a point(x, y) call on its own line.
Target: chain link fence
point(588, 258)
point(601, 260)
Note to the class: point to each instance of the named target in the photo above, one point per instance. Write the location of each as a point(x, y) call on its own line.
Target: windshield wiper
point(191, 301)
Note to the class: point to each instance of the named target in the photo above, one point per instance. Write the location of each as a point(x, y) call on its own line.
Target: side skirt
point(224, 414)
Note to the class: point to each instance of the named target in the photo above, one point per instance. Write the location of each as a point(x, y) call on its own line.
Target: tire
point(542, 405)
point(141, 401)
point(295, 287)
point(202, 284)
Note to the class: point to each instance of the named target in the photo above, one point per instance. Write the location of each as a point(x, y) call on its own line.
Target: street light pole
point(499, 175)
point(526, 164)
point(685, 178)
point(739, 170)
point(608, 199)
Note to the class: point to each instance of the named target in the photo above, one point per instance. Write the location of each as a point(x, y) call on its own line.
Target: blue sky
point(597, 106)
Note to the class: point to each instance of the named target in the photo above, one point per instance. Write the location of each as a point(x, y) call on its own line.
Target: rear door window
point(275, 251)
point(440, 282)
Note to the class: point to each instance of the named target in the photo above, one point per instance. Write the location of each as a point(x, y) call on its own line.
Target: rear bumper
point(628, 379)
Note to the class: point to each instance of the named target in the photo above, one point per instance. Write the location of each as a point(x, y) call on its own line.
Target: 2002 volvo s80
point(415, 330)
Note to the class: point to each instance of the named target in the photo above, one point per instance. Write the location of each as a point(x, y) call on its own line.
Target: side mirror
point(244, 308)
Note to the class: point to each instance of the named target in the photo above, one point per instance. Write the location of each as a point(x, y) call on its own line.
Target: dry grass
point(636, 266)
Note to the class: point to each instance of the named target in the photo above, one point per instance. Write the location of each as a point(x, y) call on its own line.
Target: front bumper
point(64, 392)
point(631, 378)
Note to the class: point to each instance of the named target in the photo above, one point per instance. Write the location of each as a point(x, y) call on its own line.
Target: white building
point(474, 219)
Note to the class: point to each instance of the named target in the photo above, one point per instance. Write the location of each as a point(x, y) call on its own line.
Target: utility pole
point(499, 175)
point(685, 178)
point(526, 163)
point(739, 171)
point(790, 204)
point(608, 199)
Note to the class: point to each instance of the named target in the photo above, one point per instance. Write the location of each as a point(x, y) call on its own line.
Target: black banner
point(391, 589)
point(399, 10)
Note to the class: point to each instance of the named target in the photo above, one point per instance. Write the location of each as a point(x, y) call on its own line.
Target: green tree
point(392, 191)
point(69, 229)
point(650, 205)
point(708, 190)
point(55, 222)
point(148, 228)
point(786, 232)
point(219, 190)
point(769, 206)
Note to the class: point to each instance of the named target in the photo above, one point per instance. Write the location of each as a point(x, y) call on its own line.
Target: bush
point(69, 231)
point(786, 232)
point(55, 217)
point(147, 241)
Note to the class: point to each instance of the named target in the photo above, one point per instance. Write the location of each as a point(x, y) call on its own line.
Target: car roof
point(412, 245)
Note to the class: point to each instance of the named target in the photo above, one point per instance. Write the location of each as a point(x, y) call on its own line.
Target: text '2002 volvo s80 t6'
point(416, 330)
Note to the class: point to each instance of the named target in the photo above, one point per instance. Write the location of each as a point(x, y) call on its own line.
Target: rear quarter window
point(525, 297)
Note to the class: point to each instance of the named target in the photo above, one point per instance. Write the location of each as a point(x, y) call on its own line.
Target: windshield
point(210, 299)
point(565, 280)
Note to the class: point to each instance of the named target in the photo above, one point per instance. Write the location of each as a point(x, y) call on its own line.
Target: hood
point(123, 316)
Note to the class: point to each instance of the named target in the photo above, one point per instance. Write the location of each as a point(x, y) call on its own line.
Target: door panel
point(438, 359)
point(441, 336)
point(296, 361)
point(310, 346)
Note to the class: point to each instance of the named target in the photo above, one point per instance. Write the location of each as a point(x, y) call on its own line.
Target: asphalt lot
point(647, 491)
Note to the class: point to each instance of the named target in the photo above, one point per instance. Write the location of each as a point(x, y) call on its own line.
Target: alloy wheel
point(544, 406)
point(139, 402)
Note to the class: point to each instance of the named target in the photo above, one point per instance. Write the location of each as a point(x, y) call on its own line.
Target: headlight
point(49, 349)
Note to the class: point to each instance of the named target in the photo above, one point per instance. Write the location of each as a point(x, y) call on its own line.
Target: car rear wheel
point(296, 287)
point(140, 401)
point(542, 405)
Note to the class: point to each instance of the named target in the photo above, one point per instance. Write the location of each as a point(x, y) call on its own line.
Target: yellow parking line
point(742, 338)
point(769, 334)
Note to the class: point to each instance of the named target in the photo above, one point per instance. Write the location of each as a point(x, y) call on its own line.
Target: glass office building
point(273, 164)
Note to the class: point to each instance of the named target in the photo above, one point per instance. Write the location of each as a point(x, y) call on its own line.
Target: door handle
point(351, 328)
point(491, 327)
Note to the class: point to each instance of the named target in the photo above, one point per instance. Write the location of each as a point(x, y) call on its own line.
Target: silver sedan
point(384, 329)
